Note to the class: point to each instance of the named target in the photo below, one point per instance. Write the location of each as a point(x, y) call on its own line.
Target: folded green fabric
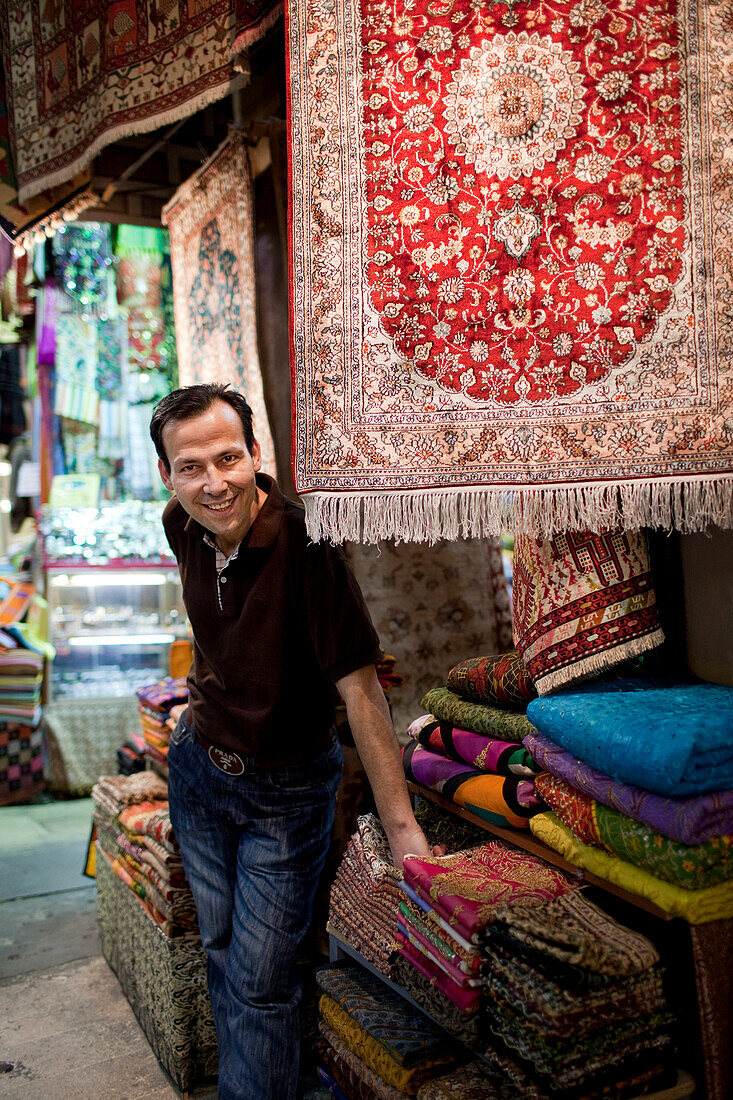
point(476, 717)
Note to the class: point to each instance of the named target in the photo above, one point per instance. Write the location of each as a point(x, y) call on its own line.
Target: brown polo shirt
point(282, 623)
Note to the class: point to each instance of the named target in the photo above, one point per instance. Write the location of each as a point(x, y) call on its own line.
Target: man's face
point(212, 472)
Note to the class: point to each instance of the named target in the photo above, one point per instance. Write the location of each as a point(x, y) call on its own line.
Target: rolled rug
point(500, 681)
point(507, 725)
point(488, 754)
point(500, 799)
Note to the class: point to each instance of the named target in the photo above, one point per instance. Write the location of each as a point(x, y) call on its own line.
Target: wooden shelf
point(523, 838)
point(338, 949)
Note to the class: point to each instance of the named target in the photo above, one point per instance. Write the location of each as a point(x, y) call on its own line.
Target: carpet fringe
point(595, 665)
point(428, 515)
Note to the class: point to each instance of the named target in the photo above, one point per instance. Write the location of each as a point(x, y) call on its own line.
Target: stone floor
point(66, 1029)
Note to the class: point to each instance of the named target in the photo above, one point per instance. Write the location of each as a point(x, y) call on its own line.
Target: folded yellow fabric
point(695, 906)
point(375, 1056)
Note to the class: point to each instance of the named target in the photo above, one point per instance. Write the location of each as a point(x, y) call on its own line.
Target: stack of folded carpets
point(448, 902)
point(575, 999)
point(21, 736)
point(373, 1042)
point(134, 832)
point(468, 748)
point(21, 762)
point(154, 704)
point(365, 895)
point(640, 784)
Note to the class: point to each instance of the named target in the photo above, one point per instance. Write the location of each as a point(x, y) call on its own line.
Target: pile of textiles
point(154, 704)
point(365, 895)
point(131, 755)
point(21, 674)
point(640, 788)
point(134, 831)
point(21, 762)
point(468, 748)
point(373, 1042)
point(448, 902)
point(574, 999)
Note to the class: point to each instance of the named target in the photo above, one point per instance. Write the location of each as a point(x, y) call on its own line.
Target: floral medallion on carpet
point(82, 74)
point(212, 252)
point(511, 263)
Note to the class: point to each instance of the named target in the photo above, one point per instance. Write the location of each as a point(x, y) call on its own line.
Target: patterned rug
point(424, 604)
point(212, 251)
point(499, 214)
point(582, 604)
point(81, 76)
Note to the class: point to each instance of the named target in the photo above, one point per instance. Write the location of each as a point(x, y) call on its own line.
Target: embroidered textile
point(687, 820)
point(404, 1032)
point(712, 947)
point(423, 989)
point(425, 905)
point(497, 217)
point(476, 717)
point(368, 1083)
point(574, 931)
point(674, 739)
point(447, 946)
point(430, 605)
point(408, 936)
point(470, 1082)
point(691, 866)
point(501, 799)
point(501, 681)
point(373, 1054)
point(468, 887)
point(464, 998)
point(443, 827)
point(582, 603)
point(695, 906)
point(210, 220)
point(117, 791)
point(81, 76)
point(561, 1012)
point(484, 753)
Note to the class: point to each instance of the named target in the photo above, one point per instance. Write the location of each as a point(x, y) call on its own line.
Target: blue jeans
point(253, 847)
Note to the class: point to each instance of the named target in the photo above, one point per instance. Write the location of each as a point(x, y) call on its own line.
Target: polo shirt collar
point(264, 531)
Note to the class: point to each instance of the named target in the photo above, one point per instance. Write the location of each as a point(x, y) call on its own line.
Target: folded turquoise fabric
point(672, 738)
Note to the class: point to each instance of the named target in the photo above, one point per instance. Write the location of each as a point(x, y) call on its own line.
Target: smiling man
point(254, 764)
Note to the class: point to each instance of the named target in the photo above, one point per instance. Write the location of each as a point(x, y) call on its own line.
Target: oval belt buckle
point(226, 761)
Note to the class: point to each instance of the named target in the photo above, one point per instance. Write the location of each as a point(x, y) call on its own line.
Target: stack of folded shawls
point(365, 894)
point(373, 1042)
point(154, 704)
point(134, 832)
point(449, 901)
point(468, 747)
point(640, 778)
point(574, 998)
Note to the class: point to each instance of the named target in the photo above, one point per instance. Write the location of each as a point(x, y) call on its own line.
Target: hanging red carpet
point(511, 265)
point(212, 254)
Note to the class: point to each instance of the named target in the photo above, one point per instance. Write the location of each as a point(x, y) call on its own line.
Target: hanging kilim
point(511, 265)
point(212, 251)
point(81, 74)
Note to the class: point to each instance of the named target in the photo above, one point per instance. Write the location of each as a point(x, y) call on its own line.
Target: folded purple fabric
point(688, 820)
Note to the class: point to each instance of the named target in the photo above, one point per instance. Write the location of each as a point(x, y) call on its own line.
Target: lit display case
point(111, 627)
point(114, 596)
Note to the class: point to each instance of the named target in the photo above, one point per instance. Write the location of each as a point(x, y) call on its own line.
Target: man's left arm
point(377, 746)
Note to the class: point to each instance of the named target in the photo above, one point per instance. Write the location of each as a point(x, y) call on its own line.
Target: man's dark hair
point(192, 401)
